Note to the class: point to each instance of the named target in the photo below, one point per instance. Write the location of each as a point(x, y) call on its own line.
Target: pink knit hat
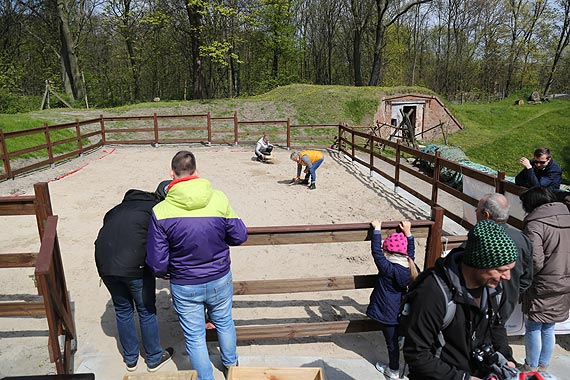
point(396, 243)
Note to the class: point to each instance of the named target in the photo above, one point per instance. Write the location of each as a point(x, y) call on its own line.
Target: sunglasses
point(541, 162)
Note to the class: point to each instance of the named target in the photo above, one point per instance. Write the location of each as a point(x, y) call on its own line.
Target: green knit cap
point(489, 246)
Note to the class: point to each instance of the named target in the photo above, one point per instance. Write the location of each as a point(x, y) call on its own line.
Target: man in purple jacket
point(188, 241)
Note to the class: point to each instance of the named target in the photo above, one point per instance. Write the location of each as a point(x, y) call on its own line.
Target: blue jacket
point(550, 176)
point(391, 284)
point(190, 233)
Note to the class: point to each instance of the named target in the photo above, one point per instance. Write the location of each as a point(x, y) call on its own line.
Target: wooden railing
point(323, 234)
point(49, 275)
point(152, 129)
point(363, 148)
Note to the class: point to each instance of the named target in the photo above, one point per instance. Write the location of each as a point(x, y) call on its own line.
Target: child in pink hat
point(396, 270)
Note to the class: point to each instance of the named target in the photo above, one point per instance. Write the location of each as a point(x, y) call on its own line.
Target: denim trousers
point(313, 171)
point(126, 291)
point(189, 302)
point(539, 341)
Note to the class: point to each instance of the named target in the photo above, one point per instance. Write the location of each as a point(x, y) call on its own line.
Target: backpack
point(403, 314)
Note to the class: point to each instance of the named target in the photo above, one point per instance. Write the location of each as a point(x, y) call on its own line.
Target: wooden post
point(436, 174)
point(48, 143)
point(42, 204)
point(288, 133)
point(372, 142)
point(78, 134)
point(102, 123)
point(500, 184)
point(434, 246)
point(236, 128)
point(155, 125)
point(5, 155)
point(397, 167)
point(339, 138)
point(209, 124)
point(352, 140)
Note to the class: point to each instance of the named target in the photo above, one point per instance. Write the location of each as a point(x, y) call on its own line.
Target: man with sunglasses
point(542, 170)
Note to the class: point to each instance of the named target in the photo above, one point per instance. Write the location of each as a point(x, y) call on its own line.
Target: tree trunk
point(563, 42)
point(71, 72)
point(195, 20)
point(357, 57)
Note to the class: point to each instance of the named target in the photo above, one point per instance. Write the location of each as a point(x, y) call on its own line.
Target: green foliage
point(498, 134)
point(11, 104)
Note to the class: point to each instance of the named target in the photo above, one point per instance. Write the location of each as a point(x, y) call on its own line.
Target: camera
point(495, 365)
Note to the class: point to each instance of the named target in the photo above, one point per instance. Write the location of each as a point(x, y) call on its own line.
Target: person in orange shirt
point(311, 160)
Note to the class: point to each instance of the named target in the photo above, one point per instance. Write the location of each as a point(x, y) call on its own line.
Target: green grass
point(19, 122)
point(495, 134)
point(498, 134)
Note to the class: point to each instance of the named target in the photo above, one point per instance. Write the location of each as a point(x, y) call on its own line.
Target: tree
point(563, 41)
point(387, 12)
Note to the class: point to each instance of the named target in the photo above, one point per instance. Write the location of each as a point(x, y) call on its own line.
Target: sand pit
point(260, 195)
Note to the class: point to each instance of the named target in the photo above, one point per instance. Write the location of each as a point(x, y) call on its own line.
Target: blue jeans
point(313, 170)
point(189, 302)
point(142, 292)
point(539, 341)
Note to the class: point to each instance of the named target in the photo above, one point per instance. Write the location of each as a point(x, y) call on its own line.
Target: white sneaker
point(388, 373)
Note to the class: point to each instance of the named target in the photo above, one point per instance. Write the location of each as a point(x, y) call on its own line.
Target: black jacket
point(471, 327)
point(120, 248)
point(550, 176)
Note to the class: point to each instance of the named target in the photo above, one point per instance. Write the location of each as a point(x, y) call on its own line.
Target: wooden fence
point(323, 234)
point(82, 136)
point(363, 148)
point(49, 276)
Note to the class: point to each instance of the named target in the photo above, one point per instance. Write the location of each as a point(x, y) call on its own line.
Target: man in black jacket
point(120, 251)
point(541, 170)
point(472, 275)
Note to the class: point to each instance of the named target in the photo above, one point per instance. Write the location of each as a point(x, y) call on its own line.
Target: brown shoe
point(542, 368)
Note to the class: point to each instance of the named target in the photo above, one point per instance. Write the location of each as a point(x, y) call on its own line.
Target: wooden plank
point(306, 234)
point(298, 330)
point(23, 205)
point(272, 373)
point(18, 260)
point(22, 309)
point(302, 285)
point(178, 375)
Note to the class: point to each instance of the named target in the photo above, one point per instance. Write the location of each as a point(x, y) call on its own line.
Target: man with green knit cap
point(469, 277)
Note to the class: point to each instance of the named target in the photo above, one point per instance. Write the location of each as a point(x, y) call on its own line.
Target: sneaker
point(132, 367)
point(388, 373)
point(312, 187)
point(165, 358)
point(542, 368)
point(526, 368)
point(304, 182)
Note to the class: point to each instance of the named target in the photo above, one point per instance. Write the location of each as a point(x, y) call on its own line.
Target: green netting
point(455, 154)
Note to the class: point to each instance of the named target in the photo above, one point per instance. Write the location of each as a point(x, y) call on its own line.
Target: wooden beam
point(22, 309)
point(298, 330)
point(18, 260)
point(302, 285)
point(17, 205)
point(327, 233)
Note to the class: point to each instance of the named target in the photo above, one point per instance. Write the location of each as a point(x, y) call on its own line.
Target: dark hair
point(184, 163)
point(535, 197)
point(541, 151)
